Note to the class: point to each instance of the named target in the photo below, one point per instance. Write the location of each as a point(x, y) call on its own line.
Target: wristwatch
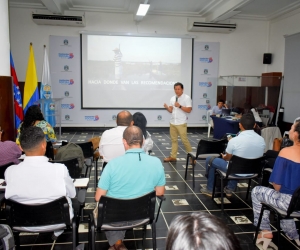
point(180, 106)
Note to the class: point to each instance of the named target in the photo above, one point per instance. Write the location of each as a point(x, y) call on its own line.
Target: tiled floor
point(181, 198)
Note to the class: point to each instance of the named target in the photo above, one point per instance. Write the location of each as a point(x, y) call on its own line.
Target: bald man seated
point(129, 176)
point(111, 144)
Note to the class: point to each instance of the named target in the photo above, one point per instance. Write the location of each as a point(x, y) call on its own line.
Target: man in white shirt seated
point(37, 181)
point(111, 143)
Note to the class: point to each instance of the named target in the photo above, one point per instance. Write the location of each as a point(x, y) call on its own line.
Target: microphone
point(176, 98)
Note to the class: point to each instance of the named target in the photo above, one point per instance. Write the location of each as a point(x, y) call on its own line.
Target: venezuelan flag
point(31, 91)
point(17, 94)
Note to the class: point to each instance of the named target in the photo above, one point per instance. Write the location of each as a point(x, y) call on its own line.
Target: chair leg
point(144, 237)
point(17, 239)
point(248, 189)
point(186, 165)
point(214, 186)
point(222, 195)
point(193, 166)
point(258, 224)
point(91, 233)
point(96, 173)
point(75, 233)
point(153, 227)
point(278, 230)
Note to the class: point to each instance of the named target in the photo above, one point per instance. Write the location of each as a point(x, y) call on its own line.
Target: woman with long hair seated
point(140, 121)
point(285, 178)
point(34, 117)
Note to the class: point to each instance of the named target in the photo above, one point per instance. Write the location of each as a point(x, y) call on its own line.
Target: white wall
point(241, 52)
point(279, 28)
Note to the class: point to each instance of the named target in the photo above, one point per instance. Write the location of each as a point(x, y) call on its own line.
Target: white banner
point(66, 82)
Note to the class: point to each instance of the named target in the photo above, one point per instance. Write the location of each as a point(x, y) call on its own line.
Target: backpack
point(70, 151)
point(6, 238)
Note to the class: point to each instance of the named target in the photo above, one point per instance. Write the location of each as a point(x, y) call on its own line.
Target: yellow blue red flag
point(31, 91)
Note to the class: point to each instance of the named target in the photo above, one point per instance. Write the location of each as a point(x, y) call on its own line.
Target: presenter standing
point(179, 106)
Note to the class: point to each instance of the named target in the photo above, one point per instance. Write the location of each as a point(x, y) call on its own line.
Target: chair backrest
point(211, 147)
point(87, 148)
point(73, 167)
point(49, 150)
point(208, 118)
point(3, 168)
point(295, 202)
point(52, 213)
point(239, 165)
point(117, 210)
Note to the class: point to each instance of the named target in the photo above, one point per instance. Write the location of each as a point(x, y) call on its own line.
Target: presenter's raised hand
point(166, 106)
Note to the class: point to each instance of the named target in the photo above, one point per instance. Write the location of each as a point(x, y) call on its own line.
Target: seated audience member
point(217, 110)
point(111, 144)
point(34, 117)
point(129, 176)
point(200, 231)
point(9, 152)
point(285, 179)
point(35, 180)
point(140, 121)
point(247, 144)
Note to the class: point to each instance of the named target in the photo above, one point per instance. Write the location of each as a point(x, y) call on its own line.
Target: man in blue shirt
point(217, 110)
point(129, 176)
point(248, 145)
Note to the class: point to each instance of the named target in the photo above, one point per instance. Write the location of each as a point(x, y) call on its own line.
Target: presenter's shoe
point(206, 191)
point(118, 246)
point(170, 159)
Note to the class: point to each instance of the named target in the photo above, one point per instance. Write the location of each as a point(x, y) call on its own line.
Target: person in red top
point(9, 151)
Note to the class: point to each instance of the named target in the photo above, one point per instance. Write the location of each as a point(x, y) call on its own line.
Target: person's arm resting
point(227, 156)
point(276, 186)
point(99, 193)
point(160, 190)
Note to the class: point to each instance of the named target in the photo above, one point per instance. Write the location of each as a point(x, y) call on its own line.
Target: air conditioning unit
point(211, 27)
point(42, 19)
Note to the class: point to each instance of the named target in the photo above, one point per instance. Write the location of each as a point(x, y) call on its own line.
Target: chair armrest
point(161, 198)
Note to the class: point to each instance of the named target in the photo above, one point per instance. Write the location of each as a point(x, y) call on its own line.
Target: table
point(223, 126)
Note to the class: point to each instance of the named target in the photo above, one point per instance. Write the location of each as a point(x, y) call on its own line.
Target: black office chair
point(3, 168)
point(88, 152)
point(49, 150)
point(53, 213)
point(292, 212)
point(75, 173)
point(205, 149)
point(140, 210)
point(238, 165)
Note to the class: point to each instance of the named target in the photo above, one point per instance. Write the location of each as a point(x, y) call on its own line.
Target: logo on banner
point(66, 42)
point(204, 107)
point(205, 71)
point(91, 117)
point(66, 68)
point(204, 94)
point(68, 106)
point(207, 101)
point(67, 117)
point(67, 93)
point(114, 117)
point(52, 106)
point(159, 117)
point(66, 81)
point(205, 84)
point(206, 47)
point(66, 55)
point(203, 117)
point(206, 59)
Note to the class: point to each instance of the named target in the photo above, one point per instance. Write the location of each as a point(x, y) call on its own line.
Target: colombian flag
point(31, 92)
point(17, 94)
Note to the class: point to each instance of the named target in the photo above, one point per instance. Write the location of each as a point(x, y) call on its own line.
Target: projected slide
point(133, 72)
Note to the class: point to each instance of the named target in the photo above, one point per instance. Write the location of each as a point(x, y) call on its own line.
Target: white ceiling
point(209, 10)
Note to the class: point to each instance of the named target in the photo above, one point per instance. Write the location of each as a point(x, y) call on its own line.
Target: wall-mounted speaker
point(267, 58)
